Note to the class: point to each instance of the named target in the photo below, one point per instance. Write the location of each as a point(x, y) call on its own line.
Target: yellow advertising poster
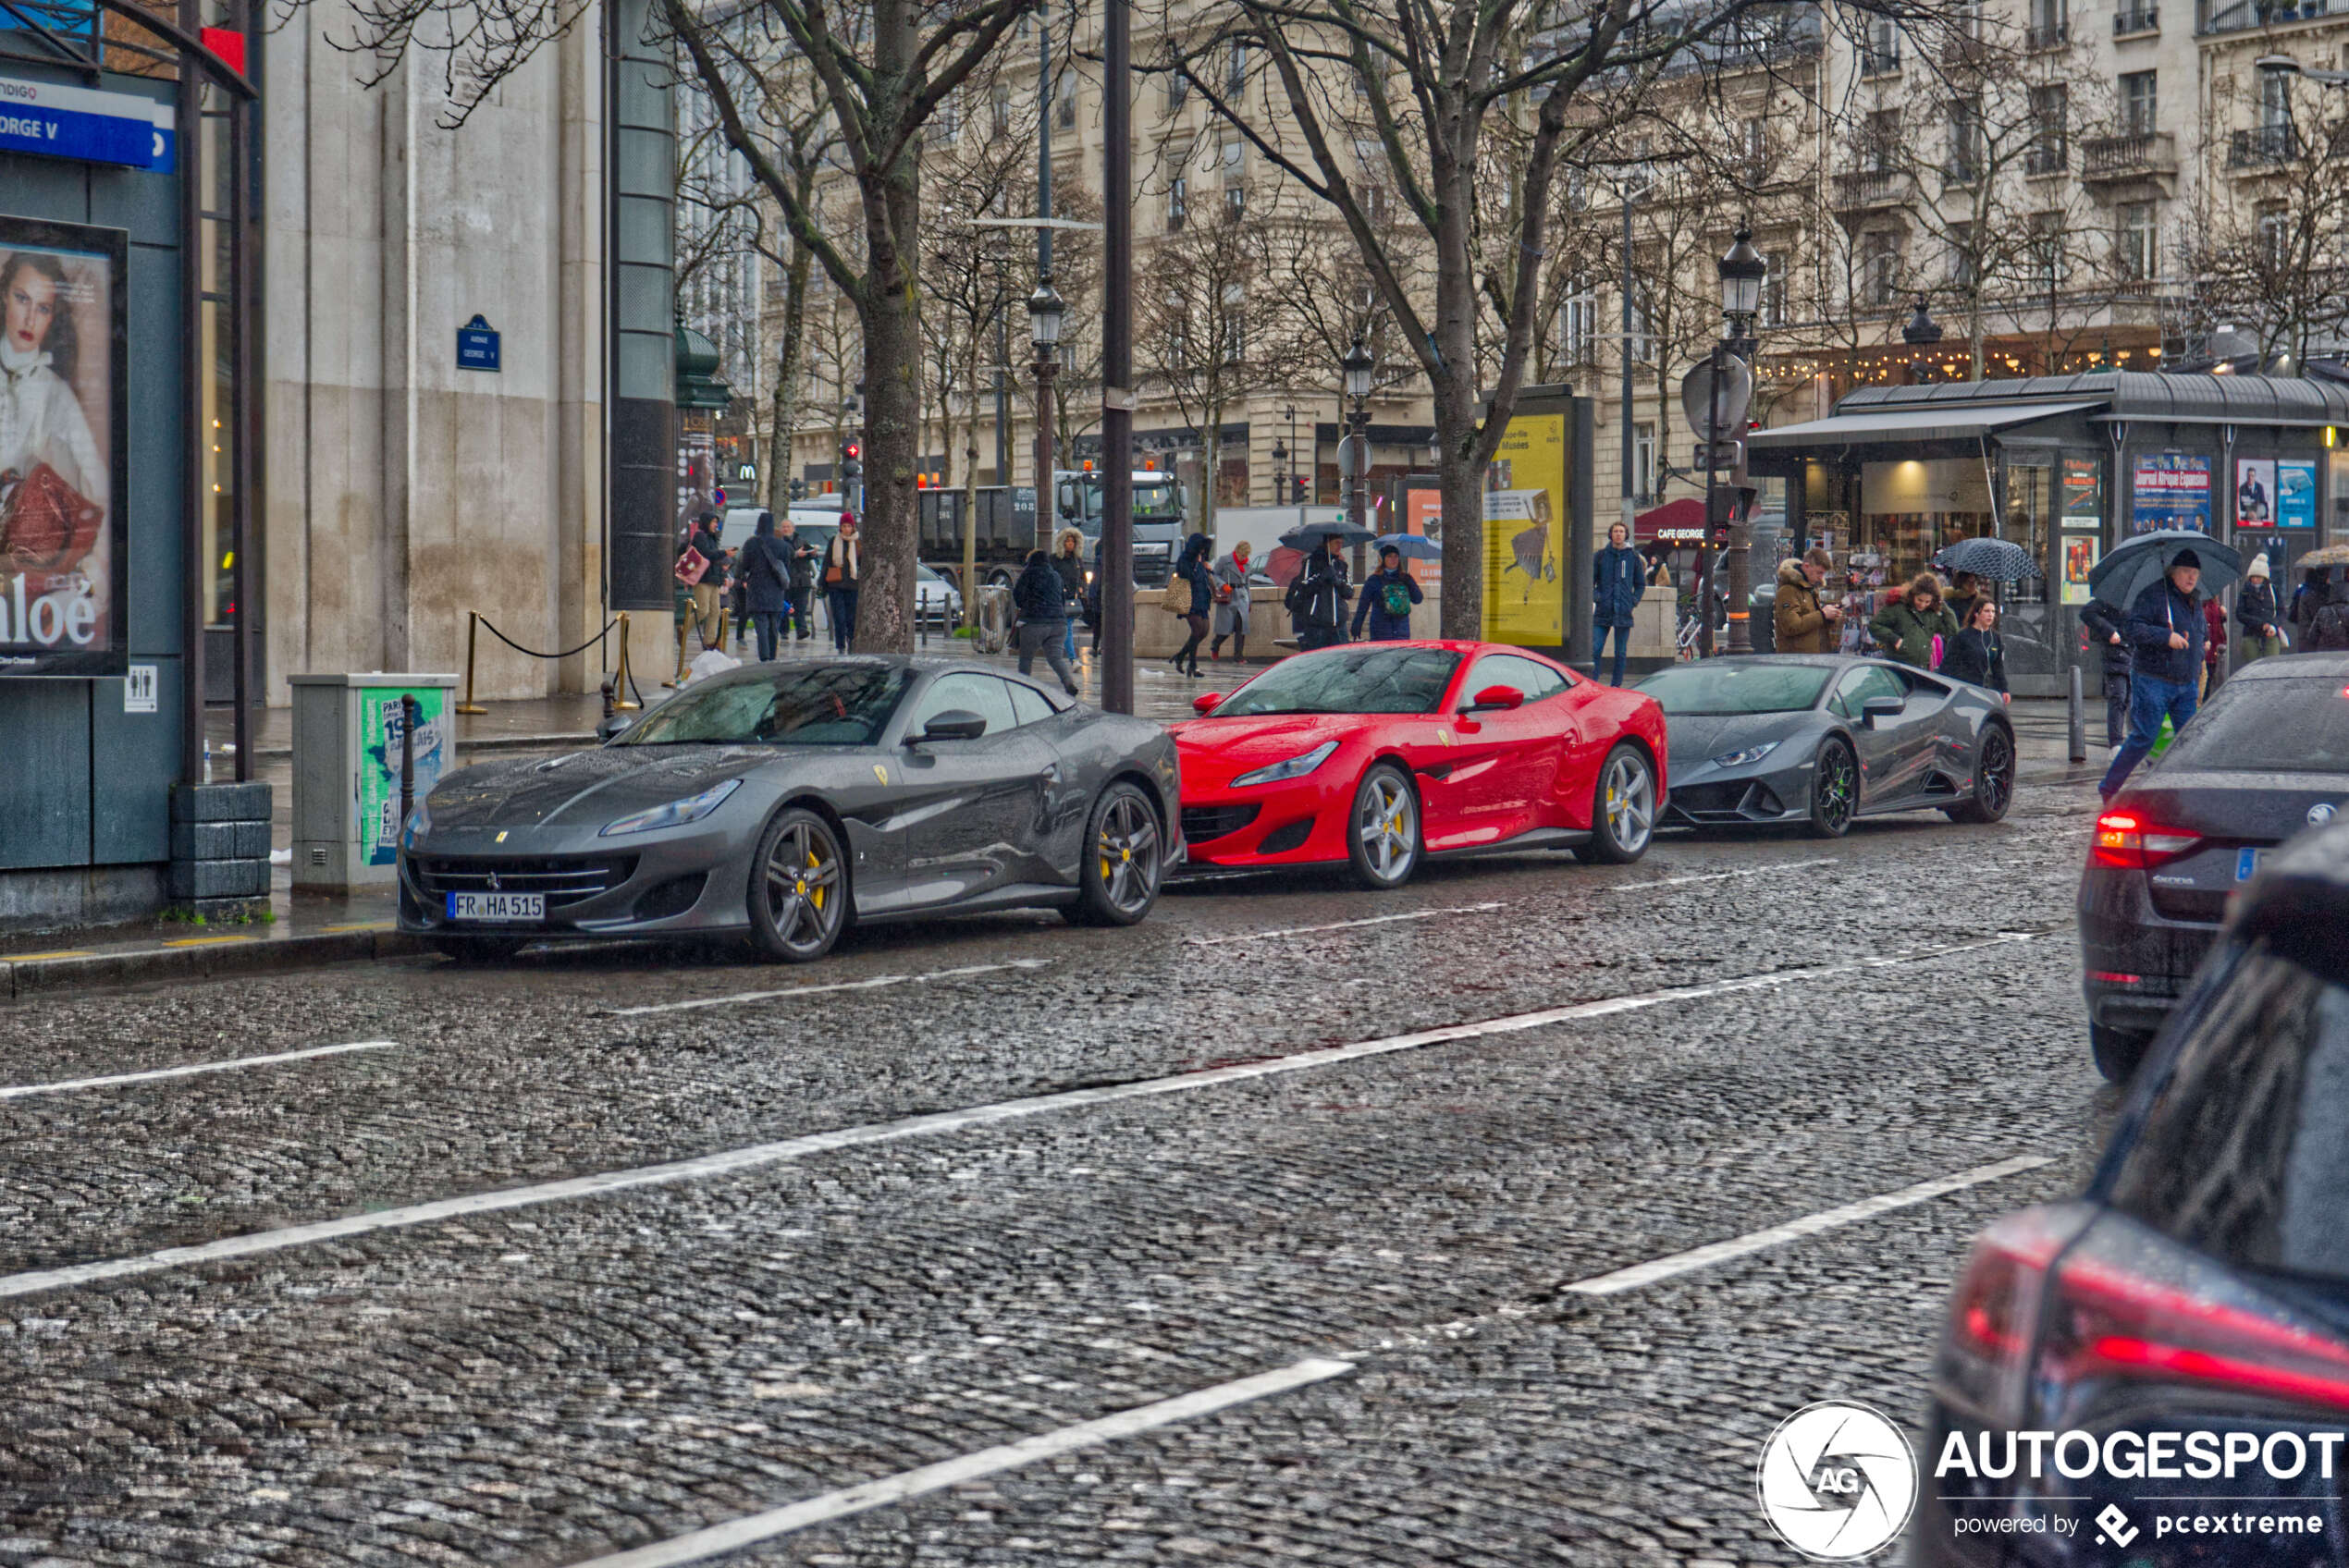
point(1525, 525)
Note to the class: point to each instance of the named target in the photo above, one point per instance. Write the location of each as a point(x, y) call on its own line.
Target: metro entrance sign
point(86, 124)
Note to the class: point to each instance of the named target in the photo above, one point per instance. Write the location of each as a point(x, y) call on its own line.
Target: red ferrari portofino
point(1381, 755)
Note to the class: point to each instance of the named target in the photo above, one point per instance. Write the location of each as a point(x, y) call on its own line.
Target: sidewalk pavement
point(313, 928)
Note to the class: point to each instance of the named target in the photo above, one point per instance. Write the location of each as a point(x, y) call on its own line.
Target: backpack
point(1394, 601)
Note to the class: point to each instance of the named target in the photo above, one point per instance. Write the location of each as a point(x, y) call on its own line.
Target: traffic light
point(851, 467)
point(799, 489)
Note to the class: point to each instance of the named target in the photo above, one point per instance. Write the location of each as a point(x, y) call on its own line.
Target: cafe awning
point(1878, 425)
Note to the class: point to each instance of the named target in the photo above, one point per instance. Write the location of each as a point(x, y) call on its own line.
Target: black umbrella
point(1305, 536)
point(1996, 560)
point(2130, 567)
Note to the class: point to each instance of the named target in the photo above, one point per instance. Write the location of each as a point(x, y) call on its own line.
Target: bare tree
point(2272, 266)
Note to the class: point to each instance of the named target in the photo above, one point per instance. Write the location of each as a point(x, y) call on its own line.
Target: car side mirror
point(1495, 697)
point(955, 724)
point(1875, 708)
point(606, 728)
point(1204, 704)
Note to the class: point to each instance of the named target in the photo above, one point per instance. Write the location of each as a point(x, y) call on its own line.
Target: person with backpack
point(1618, 583)
point(1317, 597)
point(1041, 599)
point(2100, 624)
point(2328, 622)
point(1388, 595)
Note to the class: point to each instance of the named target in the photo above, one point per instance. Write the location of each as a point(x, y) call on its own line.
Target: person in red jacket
point(2214, 644)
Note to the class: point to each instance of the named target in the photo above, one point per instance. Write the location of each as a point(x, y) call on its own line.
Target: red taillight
point(2125, 840)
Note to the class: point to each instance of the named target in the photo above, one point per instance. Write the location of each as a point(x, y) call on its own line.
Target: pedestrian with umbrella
point(1388, 595)
point(1318, 595)
point(1191, 594)
point(1618, 584)
point(2166, 633)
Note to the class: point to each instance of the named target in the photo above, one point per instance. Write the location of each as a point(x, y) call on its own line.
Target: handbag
point(45, 524)
point(835, 573)
point(690, 567)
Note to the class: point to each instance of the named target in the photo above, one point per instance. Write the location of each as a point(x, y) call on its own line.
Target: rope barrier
point(475, 620)
point(534, 653)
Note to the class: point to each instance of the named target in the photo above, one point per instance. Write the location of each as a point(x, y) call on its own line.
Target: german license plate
point(507, 908)
point(2246, 864)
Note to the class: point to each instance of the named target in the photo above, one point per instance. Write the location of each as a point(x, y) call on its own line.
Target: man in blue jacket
point(1619, 582)
point(2164, 633)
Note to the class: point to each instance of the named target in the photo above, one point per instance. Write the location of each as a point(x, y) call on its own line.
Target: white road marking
point(874, 984)
point(1648, 1273)
point(1343, 924)
point(759, 1154)
point(1721, 875)
point(756, 1527)
point(62, 1086)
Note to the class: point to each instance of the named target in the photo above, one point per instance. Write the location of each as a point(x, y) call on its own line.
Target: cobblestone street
point(547, 1262)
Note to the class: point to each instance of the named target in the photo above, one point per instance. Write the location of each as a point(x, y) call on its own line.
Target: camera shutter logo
point(1837, 1481)
point(2320, 814)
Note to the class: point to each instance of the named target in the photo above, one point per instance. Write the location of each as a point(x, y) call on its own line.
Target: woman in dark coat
point(766, 579)
point(1191, 572)
point(1975, 654)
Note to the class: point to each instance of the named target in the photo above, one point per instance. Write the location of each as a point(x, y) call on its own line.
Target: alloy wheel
point(1128, 852)
point(1630, 803)
point(1996, 788)
point(1388, 827)
point(1835, 783)
point(803, 886)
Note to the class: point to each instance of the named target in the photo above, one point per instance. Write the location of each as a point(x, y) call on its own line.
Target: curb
point(202, 959)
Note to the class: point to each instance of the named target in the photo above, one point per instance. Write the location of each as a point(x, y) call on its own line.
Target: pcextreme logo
point(1837, 1481)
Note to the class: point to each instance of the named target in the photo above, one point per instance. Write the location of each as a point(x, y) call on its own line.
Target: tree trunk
point(970, 485)
point(892, 413)
point(785, 414)
point(1466, 448)
point(1211, 451)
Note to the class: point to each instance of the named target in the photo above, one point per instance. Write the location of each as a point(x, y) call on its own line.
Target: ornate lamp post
point(1921, 333)
point(1356, 369)
point(1044, 311)
point(1742, 271)
point(1280, 473)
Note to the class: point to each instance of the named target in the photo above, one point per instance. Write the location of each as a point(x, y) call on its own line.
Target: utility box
point(349, 731)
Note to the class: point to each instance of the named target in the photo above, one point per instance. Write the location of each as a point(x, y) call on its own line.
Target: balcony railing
point(2048, 34)
point(1867, 187)
point(2262, 146)
point(2244, 15)
point(2130, 156)
point(2050, 159)
point(1880, 62)
point(2133, 20)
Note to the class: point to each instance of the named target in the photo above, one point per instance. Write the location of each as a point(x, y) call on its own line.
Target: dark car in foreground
point(783, 802)
point(1821, 740)
point(2188, 1316)
point(2266, 759)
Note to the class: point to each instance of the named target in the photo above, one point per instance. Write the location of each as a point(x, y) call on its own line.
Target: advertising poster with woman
point(62, 418)
point(1525, 535)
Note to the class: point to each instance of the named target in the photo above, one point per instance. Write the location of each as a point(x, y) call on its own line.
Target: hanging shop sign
point(86, 124)
point(63, 426)
point(2171, 490)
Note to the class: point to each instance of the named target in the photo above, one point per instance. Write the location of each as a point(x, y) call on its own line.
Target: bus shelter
point(2066, 467)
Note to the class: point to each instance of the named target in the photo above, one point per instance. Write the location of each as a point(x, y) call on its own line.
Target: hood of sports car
point(1697, 738)
point(581, 789)
point(1214, 750)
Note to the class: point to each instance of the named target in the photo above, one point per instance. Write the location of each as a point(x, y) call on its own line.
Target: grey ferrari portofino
point(783, 802)
point(1821, 740)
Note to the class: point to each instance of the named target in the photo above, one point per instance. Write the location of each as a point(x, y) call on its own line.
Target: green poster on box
point(380, 736)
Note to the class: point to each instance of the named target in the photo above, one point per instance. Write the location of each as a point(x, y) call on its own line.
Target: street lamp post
point(1044, 312)
point(1297, 480)
point(1358, 366)
point(1280, 473)
point(1742, 271)
point(1921, 333)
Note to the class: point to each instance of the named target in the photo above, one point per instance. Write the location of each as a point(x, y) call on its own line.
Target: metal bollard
point(406, 760)
point(608, 708)
point(473, 636)
point(2079, 721)
point(619, 670)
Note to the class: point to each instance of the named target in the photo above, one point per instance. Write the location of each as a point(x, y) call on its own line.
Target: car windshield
point(1357, 680)
point(2299, 724)
point(1718, 691)
point(833, 705)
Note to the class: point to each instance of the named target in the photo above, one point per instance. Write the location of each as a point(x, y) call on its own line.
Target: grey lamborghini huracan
point(1820, 739)
point(783, 802)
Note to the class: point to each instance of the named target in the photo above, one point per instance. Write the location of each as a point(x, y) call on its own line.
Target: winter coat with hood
point(2256, 608)
point(1905, 633)
point(764, 570)
point(1618, 581)
point(2101, 622)
point(1372, 606)
point(1038, 594)
point(1798, 619)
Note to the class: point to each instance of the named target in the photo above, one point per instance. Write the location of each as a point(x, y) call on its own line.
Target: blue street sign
point(85, 124)
point(476, 345)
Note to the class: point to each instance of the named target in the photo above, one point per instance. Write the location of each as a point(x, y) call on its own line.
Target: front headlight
point(676, 814)
point(1750, 754)
point(1295, 767)
point(419, 823)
